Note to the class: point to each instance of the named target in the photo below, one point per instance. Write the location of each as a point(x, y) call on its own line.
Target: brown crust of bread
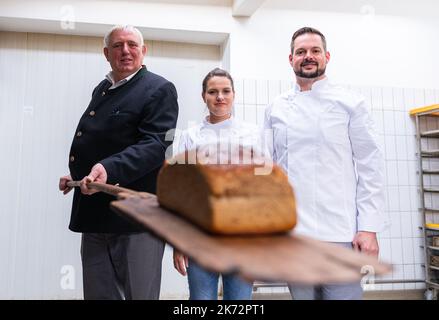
point(228, 199)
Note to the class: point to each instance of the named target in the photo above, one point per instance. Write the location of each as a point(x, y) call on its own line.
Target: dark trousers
point(121, 266)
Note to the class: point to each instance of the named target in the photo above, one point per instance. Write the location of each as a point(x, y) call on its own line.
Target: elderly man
point(324, 139)
point(120, 139)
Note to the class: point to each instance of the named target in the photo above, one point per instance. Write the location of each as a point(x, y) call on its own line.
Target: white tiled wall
point(38, 115)
point(401, 243)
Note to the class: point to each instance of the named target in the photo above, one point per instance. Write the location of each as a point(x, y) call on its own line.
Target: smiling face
point(219, 97)
point(125, 53)
point(309, 57)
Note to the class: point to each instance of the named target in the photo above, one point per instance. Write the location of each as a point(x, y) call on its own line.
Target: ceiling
point(221, 3)
point(423, 8)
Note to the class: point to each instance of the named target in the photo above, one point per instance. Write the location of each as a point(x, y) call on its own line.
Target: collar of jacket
point(138, 75)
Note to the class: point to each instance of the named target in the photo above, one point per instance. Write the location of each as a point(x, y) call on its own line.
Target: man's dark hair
point(304, 30)
point(217, 72)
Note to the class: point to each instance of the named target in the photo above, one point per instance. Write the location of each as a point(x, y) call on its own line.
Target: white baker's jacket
point(325, 140)
point(231, 131)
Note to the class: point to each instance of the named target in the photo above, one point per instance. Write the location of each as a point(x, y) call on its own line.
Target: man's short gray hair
point(129, 28)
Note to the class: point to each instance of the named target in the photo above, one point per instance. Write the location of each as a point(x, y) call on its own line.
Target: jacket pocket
point(122, 121)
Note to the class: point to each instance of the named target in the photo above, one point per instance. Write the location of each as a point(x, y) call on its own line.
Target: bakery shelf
point(424, 156)
point(432, 226)
point(430, 134)
point(430, 171)
point(430, 153)
point(431, 110)
point(432, 284)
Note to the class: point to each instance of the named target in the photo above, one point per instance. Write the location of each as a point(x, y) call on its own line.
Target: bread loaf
point(228, 199)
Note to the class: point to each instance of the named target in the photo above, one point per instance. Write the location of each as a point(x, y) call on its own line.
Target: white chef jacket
point(231, 131)
point(325, 140)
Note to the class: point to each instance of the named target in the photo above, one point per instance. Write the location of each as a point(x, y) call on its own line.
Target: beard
point(309, 75)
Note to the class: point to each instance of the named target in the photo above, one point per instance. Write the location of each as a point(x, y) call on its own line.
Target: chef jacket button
point(72, 158)
point(92, 113)
point(103, 93)
point(79, 134)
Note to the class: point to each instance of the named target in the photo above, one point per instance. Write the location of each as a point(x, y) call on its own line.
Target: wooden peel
point(277, 257)
point(116, 191)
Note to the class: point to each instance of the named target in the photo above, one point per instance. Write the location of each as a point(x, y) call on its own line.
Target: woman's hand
point(180, 262)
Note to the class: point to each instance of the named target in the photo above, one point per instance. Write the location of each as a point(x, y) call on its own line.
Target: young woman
point(218, 127)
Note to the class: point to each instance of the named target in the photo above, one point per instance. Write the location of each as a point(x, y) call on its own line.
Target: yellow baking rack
point(426, 110)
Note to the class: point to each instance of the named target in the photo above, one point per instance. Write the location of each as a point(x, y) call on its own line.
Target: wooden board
point(281, 257)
